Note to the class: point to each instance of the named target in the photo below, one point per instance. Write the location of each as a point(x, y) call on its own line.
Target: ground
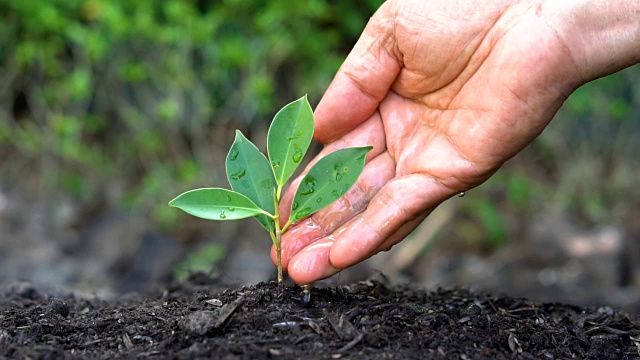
point(370, 319)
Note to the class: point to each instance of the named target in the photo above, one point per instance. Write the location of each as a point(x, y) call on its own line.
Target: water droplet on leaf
point(266, 184)
point(339, 171)
point(295, 135)
point(275, 164)
point(308, 185)
point(319, 200)
point(303, 213)
point(234, 154)
point(232, 209)
point(297, 157)
point(294, 205)
point(238, 175)
point(222, 215)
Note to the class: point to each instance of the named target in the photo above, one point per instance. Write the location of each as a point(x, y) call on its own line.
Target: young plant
point(257, 182)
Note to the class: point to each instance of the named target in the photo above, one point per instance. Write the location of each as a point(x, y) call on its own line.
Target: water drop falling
point(306, 293)
point(222, 215)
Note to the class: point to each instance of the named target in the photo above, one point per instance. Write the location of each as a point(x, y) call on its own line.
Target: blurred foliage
point(204, 260)
point(590, 151)
point(128, 102)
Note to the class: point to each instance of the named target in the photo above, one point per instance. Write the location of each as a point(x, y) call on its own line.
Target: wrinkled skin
point(445, 92)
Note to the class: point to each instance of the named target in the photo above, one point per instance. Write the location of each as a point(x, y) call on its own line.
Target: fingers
point(392, 214)
point(400, 201)
point(374, 176)
point(378, 172)
point(312, 263)
point(362, 81)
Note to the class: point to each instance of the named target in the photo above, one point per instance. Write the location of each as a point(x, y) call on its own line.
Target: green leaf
point(329, 179)
point(216, 204)
point(250, 174)
point(289, 137)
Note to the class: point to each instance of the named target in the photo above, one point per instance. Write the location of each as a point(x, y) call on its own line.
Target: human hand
point(445, 92)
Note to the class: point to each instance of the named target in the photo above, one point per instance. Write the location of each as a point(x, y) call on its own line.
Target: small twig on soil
point(227, 311)
point(351, 344)
point(93, 342)
point(523, 309)
point(343, 327)
point(127, 341)
point(606, 329)
point(495, 310)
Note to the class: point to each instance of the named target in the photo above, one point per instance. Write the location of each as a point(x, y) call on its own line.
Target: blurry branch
point(416, 244)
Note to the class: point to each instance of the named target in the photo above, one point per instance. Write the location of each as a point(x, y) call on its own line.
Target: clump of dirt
point(369, 319)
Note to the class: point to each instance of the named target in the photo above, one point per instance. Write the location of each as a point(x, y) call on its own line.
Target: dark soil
point(365, 320)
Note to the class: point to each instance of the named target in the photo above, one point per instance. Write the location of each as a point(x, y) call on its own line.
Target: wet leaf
point(289, 137)
point(329, 179)
point(216, 204)
point(250, 174)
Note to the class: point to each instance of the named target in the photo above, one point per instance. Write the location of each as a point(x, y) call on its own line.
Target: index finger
point(362, 81)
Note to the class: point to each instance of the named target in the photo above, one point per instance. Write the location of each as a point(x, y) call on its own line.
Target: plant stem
point(279, 255)
point(277, 239)
point(286, 226)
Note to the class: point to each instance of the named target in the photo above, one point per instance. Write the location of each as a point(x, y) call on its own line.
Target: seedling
point(257, 182)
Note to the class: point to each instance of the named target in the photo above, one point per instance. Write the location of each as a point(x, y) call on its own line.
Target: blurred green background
point(108, 109)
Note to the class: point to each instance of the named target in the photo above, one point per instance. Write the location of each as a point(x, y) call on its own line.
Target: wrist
point(602, 36)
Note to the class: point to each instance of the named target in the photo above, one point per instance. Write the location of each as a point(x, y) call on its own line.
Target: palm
point(452, 102)
point(438, 119)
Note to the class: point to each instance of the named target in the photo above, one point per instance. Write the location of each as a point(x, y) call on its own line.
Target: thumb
point(362, 81)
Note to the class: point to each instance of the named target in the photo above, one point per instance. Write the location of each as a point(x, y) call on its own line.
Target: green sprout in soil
point(258, 182)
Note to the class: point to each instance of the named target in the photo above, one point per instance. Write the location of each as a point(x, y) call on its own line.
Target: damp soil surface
point(367, 320)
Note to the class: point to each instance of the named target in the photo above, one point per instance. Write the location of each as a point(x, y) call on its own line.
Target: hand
point(445, 91)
